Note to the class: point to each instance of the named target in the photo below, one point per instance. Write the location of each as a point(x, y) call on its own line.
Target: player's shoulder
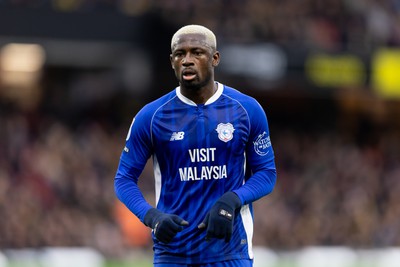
point(236, 94)
point(151, 108)
point(244, 99)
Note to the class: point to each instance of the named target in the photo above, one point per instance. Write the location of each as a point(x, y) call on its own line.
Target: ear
point(216, 58)
point(172, 63)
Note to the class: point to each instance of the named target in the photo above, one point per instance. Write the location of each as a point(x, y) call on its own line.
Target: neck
point(199, 95)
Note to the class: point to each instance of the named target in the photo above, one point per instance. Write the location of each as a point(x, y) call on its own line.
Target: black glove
point(219, 220)
point(165, 226)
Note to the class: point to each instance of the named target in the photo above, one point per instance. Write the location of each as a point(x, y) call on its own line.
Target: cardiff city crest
point(225, 131)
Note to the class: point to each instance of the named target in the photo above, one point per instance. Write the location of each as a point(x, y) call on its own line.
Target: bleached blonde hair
point(211, 40)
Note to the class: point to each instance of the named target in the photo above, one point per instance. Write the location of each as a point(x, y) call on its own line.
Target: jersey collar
point(211, 100)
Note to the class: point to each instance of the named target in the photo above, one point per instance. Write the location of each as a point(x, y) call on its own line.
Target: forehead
point(190, 40)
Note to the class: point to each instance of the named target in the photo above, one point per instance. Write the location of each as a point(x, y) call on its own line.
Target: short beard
point(195, 85)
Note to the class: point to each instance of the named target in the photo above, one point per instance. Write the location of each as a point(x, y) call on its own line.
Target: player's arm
point(260, 159)
point(133, 158)
point(165, 226)
point(137, 150)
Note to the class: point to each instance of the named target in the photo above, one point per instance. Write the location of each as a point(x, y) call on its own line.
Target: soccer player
point(212, 155)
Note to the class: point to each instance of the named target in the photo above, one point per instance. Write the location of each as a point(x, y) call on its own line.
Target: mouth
point(188, 74)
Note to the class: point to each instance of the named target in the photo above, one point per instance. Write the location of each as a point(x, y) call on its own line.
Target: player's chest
point(201, 127)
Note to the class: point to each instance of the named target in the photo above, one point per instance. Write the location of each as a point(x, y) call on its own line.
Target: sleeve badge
point(262, 143)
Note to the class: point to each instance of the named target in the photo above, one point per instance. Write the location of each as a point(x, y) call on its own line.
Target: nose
point(187, 59)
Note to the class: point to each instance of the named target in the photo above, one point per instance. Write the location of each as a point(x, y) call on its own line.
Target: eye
point(178, 54)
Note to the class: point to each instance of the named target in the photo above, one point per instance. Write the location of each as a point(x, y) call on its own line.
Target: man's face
point(193, 60)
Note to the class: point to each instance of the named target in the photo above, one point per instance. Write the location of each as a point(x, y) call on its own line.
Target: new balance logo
point(177, 136)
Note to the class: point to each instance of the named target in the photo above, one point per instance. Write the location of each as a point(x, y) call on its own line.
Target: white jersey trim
point(248, 227)
point(157, 178)
point(211, 100)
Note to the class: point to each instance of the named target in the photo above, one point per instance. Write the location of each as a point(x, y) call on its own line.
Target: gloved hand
point(219, 220)
point(165, 226)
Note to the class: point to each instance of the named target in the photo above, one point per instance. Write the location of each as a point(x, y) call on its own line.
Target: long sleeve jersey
point(199, 152)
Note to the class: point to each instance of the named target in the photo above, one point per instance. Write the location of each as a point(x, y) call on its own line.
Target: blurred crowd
point(325, 24)
point(56, 188)
point(56, 184)
point(331, 191)
point(331, 25)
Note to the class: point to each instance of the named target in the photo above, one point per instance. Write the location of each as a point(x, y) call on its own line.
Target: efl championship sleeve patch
point(262, 144)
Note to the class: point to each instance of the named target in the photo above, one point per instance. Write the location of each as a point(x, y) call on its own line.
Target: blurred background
point(73, 73)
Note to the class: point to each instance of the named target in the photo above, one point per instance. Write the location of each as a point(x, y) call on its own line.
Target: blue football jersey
point(199, 153)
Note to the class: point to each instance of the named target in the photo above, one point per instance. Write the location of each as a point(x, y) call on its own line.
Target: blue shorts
point(230, 263)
